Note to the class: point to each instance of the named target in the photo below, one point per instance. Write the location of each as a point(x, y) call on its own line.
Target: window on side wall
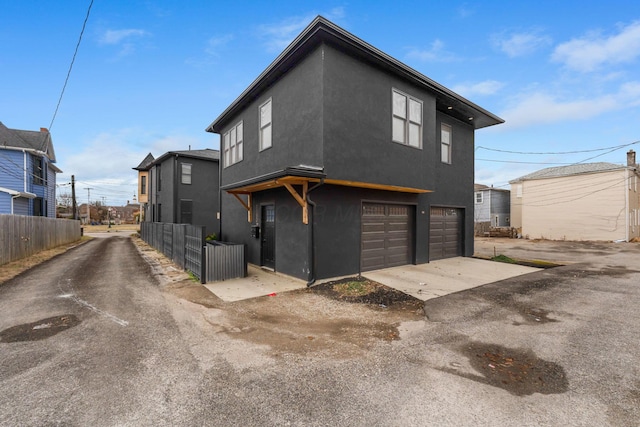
point(265, 125)
point(186, 173)
point(479, 197)
point(143, 185)
point(445, 143)
point(406, 119)
point(232, 141)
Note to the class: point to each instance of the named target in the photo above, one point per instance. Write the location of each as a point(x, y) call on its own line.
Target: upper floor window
point(265, 125)
point(479, 197)
point(406, 119)
point(143, 184)
point(233, 147)
point(186, 173)
point(39, 174)
point(159, 177)
point(518, 190)
point(445, 143)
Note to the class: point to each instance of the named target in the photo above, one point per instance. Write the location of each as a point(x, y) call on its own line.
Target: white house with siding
point(590, 201)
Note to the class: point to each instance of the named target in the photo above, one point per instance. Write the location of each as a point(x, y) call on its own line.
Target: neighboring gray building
point(492, 206)
point(182, 187)
point(339, 159)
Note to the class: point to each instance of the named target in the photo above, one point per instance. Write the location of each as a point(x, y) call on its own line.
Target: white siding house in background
point(491, 206)
point(592, 201)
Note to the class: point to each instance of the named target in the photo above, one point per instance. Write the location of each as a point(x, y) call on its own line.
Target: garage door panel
point(386, 236)
point(445, 236)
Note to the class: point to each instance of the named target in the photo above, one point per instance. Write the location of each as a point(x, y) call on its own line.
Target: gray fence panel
point(194, 251)
point(167, 240)
point(225, 261)
point(23, 236)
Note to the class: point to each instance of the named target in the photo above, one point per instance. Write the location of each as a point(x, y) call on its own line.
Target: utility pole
point(88, 204)
point(74, 206)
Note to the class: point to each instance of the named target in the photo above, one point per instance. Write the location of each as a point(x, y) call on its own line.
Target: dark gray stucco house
point(181, 187)
point(340, 159)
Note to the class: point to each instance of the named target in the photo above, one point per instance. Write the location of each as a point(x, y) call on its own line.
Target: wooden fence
point(185, 245)
point(23, 236)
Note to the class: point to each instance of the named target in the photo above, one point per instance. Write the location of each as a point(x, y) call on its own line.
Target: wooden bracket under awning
point(289, 181)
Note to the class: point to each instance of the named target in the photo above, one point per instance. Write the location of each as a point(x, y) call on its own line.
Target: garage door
point(386, 236)
point(445, 238)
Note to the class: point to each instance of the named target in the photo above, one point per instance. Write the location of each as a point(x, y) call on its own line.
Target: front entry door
point(268, 246)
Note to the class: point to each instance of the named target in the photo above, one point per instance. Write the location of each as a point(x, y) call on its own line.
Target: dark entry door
point(268, 246)
point(445, 239)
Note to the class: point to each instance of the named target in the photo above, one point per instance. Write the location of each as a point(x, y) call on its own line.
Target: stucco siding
point(579, 207)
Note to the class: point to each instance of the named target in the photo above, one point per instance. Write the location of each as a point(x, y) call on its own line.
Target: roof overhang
point(15, 193)
point(302, 176)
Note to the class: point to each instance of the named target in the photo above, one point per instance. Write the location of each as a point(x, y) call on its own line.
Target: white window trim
point(266, 126)
point(407, 119)
point(449, 144)
point(233, 151)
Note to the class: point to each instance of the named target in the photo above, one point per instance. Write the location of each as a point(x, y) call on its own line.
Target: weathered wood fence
point(185, 245)
point(23, 236)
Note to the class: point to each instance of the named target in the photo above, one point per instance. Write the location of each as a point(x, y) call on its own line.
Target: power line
point(71, 65)
point(613, 148)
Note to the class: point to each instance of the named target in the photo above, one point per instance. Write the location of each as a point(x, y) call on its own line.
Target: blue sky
point(149, 76)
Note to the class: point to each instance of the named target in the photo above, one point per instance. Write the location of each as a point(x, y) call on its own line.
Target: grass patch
point(504, 258)
point(355, 288)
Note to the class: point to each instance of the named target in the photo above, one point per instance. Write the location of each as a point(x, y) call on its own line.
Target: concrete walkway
point(424, 281)
point(258, 283)
point(446, 276)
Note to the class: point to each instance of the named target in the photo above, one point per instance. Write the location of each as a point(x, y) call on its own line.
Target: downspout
point(24, 168)
point(626, 204)
point(312, 243)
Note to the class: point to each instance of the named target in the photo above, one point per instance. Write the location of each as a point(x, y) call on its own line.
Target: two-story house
point(584, 201)
point(181, 187)
point(27, 172)
point(340, 159)
point(492, 206)
point(143, 184)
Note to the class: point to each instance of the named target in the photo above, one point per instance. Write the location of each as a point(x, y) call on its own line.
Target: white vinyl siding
point(445, 143)
point(265, 125)
point(406, 119)
point(233, 147)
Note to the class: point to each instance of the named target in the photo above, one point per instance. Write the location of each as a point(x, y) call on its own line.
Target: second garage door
point(445, 237)
point(386, 236)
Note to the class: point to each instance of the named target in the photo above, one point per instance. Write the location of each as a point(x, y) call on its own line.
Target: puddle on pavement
point(520, 372)
point(39, 330)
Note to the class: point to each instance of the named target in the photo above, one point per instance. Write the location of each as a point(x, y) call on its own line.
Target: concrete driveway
point(445, 276)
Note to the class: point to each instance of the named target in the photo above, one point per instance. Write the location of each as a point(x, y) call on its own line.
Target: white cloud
point(487, 87)
point(279, 35)
point(118, 36)
point(217, 42)
point(542, 107)
point(521, 44)
point(592, 51)
point(435, 53)
point(106, 161)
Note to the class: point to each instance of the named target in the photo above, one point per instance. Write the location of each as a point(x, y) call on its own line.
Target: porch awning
point(302, 176)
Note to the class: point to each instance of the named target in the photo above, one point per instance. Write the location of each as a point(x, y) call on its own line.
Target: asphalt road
point(93, 337)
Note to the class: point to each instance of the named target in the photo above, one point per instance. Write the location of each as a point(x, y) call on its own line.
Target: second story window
point(445, 143)
point(233, 147)
point(407, 119)
point(479, 197)
point(143, 184)
point(159, 177)
point(186, 173)
point(39, 173)
point(265, 125)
